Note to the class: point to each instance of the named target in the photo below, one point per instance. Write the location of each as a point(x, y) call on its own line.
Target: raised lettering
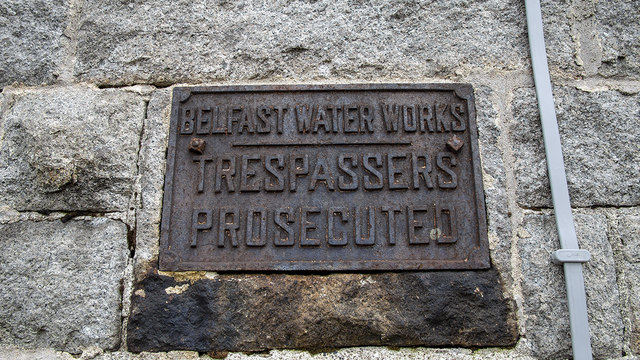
point(246, 121)
point(219, 124)
point(336, 118)
point(227, 173)
point(263, 125)
point(366, 118)
point(203, 125)
point(426, 119)
point(413, 224)
point(369, 228)
point(368, 184)
point(246, 173)
point(395, 182)
point(320, 120)
point(391, 222)
point(281, 111)
point(457, 110)
point(228, 229)
point(445, 220)
point(303, 117)
point(202, 170)
point(231, 118)
point(321, 173)
point(201, 221)
point(295, 170)
point(268, 164)
point(409, 118)
point(332, 239)
point(350, 119)
point(390, 115)
point(283, 217)
point(306, 226)
point(260, 228)
point(188, 116)
point(343, 184)
point(440, 111)
point(420, 171)
point(452, 181)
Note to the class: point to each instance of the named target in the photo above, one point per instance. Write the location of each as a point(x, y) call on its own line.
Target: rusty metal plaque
point(323, 178)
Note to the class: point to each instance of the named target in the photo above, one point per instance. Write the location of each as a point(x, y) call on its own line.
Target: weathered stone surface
point(624, 227)
point(585, 36)
point(61, 283)
point(124, 42)
point(369, 352)
point(561, 49)
point(631, 283)
point(257, 312)
point(70, 148)
point(619, 28)
point(545, 299)
point(599, 139)
point(39, 354)
point(626, 234)
point(171, 355)
point(381, 353)
point(30, 38)
point(152, 167)
point(494, 178)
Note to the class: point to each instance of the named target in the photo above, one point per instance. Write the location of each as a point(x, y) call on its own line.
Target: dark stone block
point(258, 312)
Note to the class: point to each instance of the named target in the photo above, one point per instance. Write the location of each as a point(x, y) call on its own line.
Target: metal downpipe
point(570, 255)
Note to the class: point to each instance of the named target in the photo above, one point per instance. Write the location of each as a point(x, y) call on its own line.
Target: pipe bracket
point(570, 256)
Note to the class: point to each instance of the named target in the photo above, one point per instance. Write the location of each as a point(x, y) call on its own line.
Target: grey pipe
point(571, 256)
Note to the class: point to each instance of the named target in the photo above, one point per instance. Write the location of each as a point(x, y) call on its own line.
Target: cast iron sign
point(323, 177)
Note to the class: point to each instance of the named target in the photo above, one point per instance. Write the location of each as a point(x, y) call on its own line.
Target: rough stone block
point(31, 49)
point(545, 299)
point(626, 234)
point(125, 42)
point(560, 46)
point(61, 283)
point(618, 24)
point(624, 227)
point(34, 354)
point(152, 168)
point(369, 353)
point(632, 302)
point(494, 179)
point(258, 312)
point(599, 144)
point(69, 149)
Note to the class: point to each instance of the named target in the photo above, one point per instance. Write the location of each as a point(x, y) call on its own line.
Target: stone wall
point(84, 114)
